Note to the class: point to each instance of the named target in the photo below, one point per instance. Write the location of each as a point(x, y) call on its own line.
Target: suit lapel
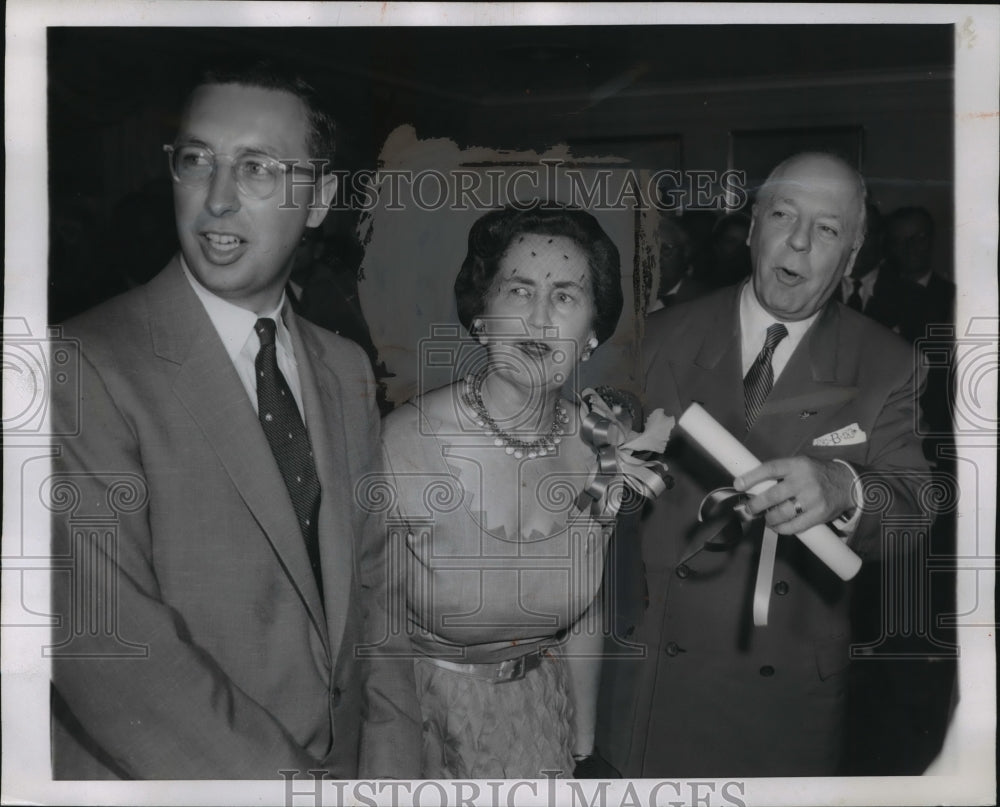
point(321, 397)
point(210, 389)
point(816, 384)
point(714, 379)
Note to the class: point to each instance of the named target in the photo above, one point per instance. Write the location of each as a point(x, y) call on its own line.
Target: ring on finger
point(799, 509)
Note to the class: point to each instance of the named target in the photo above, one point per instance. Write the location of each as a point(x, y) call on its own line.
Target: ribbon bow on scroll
point(609, 432)
point(721, 516)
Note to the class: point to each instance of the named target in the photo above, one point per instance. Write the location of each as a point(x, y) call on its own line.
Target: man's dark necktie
point(760, 377)
point(289, 440)
point(854, 301)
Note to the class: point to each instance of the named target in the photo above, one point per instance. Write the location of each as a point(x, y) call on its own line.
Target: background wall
point(653, 96)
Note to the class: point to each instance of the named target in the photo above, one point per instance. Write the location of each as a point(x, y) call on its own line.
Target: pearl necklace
point(512, 445)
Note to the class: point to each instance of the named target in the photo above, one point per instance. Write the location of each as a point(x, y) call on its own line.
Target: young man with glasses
point(228, 626)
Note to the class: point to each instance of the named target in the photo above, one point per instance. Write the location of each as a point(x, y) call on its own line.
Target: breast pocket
point(856, 453)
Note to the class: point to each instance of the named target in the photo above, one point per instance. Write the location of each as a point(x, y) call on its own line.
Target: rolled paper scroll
point(732, 455)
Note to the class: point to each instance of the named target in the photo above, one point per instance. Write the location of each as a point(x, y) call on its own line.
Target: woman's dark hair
point(493, 233)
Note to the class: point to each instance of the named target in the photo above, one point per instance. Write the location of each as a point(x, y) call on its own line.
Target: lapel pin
point(806, 413)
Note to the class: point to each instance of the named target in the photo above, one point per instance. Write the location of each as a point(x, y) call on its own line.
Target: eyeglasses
point(256, 175)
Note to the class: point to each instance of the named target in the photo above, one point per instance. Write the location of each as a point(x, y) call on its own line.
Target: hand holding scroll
point(806, 492)
point(732, 455)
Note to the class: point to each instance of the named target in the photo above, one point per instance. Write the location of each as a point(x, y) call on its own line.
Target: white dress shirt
point(235, 327)
point(754, 322)
point(867, 289)
point(658, 302)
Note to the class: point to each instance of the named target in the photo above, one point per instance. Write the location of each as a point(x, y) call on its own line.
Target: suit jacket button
point(767, 670)
point(336, 696)
point(781, 588)
point(672, 649)
point(682, 571)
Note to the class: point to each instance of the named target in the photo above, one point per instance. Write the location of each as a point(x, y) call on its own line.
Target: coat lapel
point(816, 384)
point(321, 397)
point(210, 389)
point(714, 379)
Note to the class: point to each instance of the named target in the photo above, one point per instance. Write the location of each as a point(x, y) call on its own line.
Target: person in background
point(909, 246)
point(903, 694)
point(678, 282)
point(729, 251)
point(324, 290)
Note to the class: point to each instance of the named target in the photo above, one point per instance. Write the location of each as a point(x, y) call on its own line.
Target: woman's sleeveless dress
point(479, 592)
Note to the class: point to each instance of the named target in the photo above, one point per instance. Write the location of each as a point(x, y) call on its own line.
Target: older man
point(824, 397)
point(214, 621)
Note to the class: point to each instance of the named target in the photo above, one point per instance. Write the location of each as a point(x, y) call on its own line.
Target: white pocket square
point(847, 436)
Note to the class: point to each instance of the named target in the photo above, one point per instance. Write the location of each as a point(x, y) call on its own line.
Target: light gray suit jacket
point(193, 640)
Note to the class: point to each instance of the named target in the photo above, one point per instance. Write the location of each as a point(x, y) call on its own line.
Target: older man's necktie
point(760, 377)
point(289, 440)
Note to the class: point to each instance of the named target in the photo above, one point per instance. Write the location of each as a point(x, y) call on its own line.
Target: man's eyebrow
point(190, 140)
point(255, 148)
point(259, 149)
point(791, 203)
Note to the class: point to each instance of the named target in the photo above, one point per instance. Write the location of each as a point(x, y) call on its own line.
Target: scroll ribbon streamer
point(726, 507)
point(616, 444)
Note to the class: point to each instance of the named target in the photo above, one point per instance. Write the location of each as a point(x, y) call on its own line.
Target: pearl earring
point(478, 330)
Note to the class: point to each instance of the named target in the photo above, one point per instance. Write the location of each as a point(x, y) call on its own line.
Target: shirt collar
point(676, 288)
point(866, 288)
point(755, 319)
point(235, 325)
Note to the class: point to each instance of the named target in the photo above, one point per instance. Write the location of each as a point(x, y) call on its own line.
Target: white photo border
point(965, 772)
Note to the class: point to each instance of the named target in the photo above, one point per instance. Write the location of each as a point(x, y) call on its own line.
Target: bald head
point(818, 169)
point(808, 224)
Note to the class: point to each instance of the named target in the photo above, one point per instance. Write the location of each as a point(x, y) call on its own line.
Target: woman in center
point(501, 567)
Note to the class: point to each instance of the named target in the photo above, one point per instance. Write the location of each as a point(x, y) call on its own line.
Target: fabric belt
point(496, 673)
